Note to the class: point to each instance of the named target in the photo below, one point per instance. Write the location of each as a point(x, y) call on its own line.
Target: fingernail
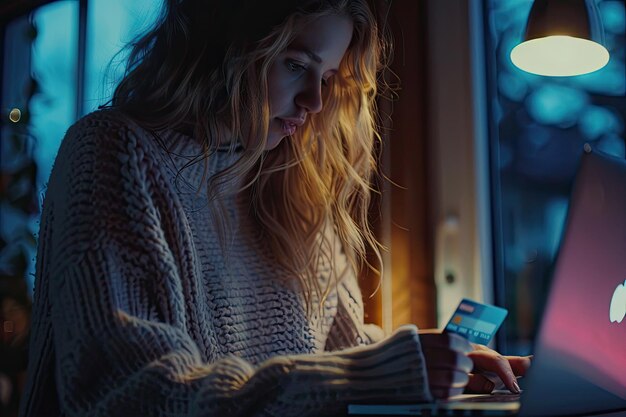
point(489, 386)
point(517, 388)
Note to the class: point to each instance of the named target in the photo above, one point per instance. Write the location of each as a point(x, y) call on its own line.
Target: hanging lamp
point(562, 38)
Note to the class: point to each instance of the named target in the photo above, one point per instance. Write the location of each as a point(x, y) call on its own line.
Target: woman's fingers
point(479, 384)
point(519, 364)
point(450, 359)
point(487, 360)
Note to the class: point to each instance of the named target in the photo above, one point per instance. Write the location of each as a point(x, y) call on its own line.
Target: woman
point(201, 238)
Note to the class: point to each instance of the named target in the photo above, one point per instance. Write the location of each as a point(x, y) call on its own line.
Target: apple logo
point(617, 310)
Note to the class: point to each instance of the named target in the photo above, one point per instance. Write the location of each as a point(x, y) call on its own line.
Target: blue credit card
point(475, 321)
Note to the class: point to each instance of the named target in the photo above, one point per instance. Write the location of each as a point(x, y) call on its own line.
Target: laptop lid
point(580, 354)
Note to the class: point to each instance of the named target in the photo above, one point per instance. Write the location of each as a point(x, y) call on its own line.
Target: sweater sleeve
point(349, 327)
point(118, 312)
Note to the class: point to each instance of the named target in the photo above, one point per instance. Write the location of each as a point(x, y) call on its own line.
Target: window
point(538, 126)
point(43, 55)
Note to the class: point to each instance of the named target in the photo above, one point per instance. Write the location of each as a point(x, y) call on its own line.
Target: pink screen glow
point(592, 263)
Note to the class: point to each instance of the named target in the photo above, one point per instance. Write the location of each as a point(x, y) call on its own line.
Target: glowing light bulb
point(559, 56)
point(15, 115)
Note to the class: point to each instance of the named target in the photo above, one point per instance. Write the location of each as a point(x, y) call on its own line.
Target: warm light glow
point(15, 115)
point(559, 56)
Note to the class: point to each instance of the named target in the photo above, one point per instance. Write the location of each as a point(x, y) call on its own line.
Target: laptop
point(579, 364)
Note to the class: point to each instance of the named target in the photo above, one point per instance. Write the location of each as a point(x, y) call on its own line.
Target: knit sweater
point(138, 311)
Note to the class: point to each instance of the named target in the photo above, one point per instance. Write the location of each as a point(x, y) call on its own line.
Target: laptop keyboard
point(493, 397)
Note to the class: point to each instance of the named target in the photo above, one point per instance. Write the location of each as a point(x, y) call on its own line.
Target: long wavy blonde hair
point(194, 69)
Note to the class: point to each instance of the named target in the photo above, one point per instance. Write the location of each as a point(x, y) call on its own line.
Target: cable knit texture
point(137, 312)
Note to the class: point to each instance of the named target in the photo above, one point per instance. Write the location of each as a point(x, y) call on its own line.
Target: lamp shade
point(563, 38)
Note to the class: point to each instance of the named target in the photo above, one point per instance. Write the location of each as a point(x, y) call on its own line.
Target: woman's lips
point(289, 126)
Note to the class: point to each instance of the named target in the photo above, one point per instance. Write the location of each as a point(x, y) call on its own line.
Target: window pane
point(54, 67)
point(45, 55)
point(39, 74)
point(54, 55)
point(111, 24)
point(540, 125)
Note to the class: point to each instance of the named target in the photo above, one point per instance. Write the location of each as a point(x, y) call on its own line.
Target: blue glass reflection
point(553, 104)
point(612, 144)
point(53, 63)
point(512, 87)
point(613, 17)
point(598, 121)
point(54, 57)
point(111, 24)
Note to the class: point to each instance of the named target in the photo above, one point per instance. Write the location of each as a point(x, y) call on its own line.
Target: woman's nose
point(310, 97)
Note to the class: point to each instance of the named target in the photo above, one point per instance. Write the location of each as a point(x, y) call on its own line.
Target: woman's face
point(298, 75)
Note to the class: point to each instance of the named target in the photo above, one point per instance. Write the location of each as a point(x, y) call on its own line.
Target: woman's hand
point(447, 362)
point(489, 361)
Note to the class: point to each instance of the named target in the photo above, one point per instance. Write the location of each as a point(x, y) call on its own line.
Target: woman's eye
point(295, 67)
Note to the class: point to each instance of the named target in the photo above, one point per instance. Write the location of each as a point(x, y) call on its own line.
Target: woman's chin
point(273, 141)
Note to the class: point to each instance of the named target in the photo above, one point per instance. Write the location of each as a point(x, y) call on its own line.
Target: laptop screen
point(582, 342)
